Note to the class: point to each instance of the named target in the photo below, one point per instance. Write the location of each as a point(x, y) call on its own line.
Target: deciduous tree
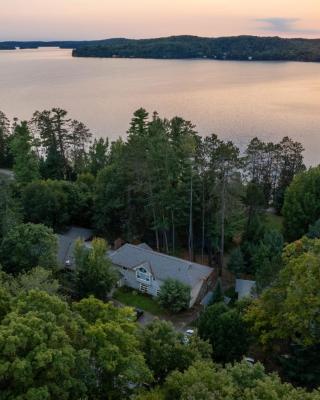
point(174, 295)
point(27, 246)
point(94, 272)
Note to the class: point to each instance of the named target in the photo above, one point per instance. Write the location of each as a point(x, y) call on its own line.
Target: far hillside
point(224, 48)
point(188, 47)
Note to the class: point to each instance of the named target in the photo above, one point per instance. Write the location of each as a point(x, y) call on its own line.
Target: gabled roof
point(67, 240)
point(162, 265)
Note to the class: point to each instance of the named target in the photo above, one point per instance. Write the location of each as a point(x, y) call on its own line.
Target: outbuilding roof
point(162, 265)
point(245, 288)
point(67, 241)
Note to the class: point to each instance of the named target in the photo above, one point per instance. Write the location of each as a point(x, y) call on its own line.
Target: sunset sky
point(97, 19)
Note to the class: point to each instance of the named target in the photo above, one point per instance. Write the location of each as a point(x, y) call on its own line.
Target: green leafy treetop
point(50, 351)
point(37, 359)
point(174, 295)
point(302, 203)
point(116, 362)
point(226, 331)
point(289, 309)
point(207, 381)
point(26, 246)
point(25, 161)
point(95, 274)
point(165, 349)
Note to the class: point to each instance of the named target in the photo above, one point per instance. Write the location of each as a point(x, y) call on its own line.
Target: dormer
point(143, 274)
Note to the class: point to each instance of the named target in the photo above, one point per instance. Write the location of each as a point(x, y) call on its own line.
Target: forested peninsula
point(190, 47)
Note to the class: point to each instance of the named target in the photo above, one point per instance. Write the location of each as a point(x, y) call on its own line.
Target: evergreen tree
point(217, 295)
point(4, 140)
point(267, 259)
point(25, 164)
point(236, 263)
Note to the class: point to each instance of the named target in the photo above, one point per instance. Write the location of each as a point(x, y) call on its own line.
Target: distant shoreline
point(237, 48)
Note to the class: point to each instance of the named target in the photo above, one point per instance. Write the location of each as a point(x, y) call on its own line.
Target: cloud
point(284, 25)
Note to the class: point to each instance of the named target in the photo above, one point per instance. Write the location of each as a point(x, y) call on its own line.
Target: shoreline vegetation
point(253, 215)
point(239, 48)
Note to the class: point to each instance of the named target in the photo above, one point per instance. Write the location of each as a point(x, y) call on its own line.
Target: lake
point(236, 100)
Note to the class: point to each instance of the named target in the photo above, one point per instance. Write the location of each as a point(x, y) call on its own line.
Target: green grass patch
point(275, 222)
point(134, 299)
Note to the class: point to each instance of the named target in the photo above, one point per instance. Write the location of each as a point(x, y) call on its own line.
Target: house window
point(143, 288)
point(143, 275)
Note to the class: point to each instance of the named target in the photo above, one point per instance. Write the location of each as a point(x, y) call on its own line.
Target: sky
point(99, 19)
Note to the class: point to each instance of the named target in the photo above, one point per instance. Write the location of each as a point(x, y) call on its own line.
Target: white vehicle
point(187, 335)
point(249, 360)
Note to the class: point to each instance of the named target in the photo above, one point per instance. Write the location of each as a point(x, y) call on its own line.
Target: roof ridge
point(187, 262)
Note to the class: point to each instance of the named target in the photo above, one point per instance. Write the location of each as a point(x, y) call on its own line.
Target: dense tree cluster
point(181, 47)
point(226, 331)
point(181, 193)
point(286, 316)
point(92, 350)
point(28, 245)
point(302, 203)
point(208, 381)
point(223, 48)
point(165, 183)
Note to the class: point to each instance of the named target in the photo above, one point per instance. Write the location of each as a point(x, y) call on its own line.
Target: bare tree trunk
point(156, 229)
point(165, 237)
point(190, 241)
point(154, 216)
point(173, 233)
point(129, 233)
point(203, 227)
point(166, 241)
point(223, 212)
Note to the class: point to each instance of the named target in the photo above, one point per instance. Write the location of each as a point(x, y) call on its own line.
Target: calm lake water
point(236, 100)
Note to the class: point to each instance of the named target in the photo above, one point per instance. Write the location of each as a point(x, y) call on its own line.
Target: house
point(146, 270)
point(245, 288)
point(66, 243)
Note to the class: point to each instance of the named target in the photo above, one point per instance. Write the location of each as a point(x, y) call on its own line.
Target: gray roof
point(67, 241)
point(144, 246)
point(162, 265)
point(245, 288)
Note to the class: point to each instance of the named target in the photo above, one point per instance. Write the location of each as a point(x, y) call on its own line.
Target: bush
point(174, 295)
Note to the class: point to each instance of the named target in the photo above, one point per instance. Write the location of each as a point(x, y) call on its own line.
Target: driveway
point(7, 173)
point(181, 321)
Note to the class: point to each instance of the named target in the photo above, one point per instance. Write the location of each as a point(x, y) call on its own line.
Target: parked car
point(68, 263)
point(187, 335)
point(139, 313)
point(249, 360)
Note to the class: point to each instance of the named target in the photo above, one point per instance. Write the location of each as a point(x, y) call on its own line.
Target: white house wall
point(129, 279)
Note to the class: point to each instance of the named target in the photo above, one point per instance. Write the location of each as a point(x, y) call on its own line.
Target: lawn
point(133, 298)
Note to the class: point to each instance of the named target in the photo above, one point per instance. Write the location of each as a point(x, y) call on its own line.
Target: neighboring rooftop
point(67, 241)
point(162, 265)
point(245, 288)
